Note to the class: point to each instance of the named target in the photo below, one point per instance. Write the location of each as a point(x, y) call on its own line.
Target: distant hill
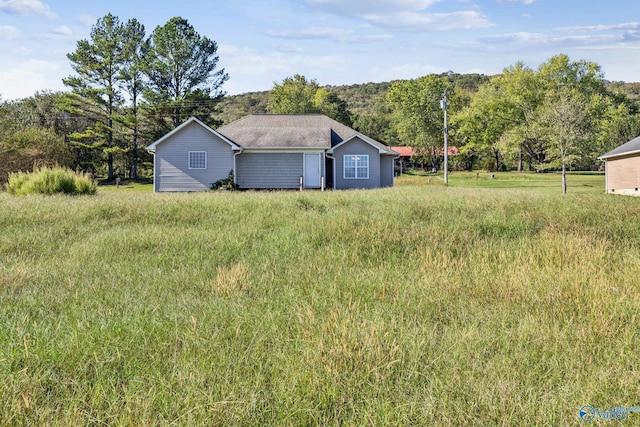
point(632, 90)
point(366, 98)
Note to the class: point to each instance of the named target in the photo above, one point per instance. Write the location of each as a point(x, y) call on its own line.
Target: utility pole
point(443, 105)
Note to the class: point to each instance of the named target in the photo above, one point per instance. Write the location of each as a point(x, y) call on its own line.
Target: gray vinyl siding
point(269, 170)
point(386, 171)
point(356, 146)
point(172, 160)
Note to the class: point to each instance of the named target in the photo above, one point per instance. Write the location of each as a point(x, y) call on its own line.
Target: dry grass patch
point(232, 281)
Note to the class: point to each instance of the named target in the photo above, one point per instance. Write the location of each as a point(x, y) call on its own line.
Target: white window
point(197, 159)
point(356, 166)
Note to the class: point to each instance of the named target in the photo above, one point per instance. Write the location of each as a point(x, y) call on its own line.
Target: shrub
point(227, 184)
point(50, 181)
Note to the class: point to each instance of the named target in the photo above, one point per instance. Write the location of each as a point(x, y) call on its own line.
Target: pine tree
point(94, 89)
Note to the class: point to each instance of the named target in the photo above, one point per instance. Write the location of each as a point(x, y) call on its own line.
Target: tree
point(24, 149)
point(516, 112)
point(565, 117)
point(481, 125)
point(131, 80)
point(94, 90)
point(295, 95)
point(183, 80)
point(417, 116)
point(329, 104)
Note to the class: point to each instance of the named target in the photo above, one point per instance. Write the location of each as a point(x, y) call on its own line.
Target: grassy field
point(418, 305)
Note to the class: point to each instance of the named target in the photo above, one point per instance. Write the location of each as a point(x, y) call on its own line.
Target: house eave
point(283, 149)
point(613, 156)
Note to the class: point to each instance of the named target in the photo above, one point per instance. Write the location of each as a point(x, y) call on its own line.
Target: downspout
point(333, 170)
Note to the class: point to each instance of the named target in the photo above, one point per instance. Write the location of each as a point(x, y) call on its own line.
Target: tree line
point(562, 115)
point(129, 89)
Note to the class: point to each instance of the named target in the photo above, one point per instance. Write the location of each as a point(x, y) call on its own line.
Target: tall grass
point(45, 180)
point(419, 305)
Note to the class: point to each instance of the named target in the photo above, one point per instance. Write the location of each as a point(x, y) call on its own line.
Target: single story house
point(622, 168)
point(266, 151)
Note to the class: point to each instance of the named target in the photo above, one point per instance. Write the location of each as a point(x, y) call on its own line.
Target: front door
point(312, 170)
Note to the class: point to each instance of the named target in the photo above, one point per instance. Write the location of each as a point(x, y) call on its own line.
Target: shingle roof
point(630, 147)
point(288, 131)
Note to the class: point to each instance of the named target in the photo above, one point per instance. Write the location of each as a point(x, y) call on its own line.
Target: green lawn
point(417, 305)
point(590, 182)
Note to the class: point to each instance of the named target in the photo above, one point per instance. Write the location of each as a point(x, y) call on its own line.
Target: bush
point(227, 184)
point(50, 181)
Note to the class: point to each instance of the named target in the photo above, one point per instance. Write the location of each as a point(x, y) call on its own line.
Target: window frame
point(192, 161)
point(356, 158)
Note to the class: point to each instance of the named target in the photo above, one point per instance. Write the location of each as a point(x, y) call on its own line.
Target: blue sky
point(334, 41)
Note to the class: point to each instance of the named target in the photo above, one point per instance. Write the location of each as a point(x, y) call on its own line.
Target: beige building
point(622, 168)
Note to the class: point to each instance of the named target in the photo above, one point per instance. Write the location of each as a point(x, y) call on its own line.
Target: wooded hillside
point(365, 98)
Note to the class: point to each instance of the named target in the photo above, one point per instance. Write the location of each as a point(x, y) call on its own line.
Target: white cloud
point(516, 1)
point(337, 34)
point(430, 22)
point(311, 33)
point(63, 31)
point(356, 7)
point(251, 70)
point(8, 32)
point(289, 48)
point(22, 51)
point(591, 28)
point(561, 38)
point(27, 7)
point(86, 19)
point(23, 79)
point(408, 15)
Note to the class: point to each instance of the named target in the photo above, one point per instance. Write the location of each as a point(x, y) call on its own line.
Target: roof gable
point(382, 149)
point(630, 147)
point(152, 148)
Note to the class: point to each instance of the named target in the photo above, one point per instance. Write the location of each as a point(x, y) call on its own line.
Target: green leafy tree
point(417, 116)
point(516, 113)
point(481, 125)
point(330, 104)
point(94, 89)
point(183, 80)
point(376, 125)
point(565, 118)
point(295, 95)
